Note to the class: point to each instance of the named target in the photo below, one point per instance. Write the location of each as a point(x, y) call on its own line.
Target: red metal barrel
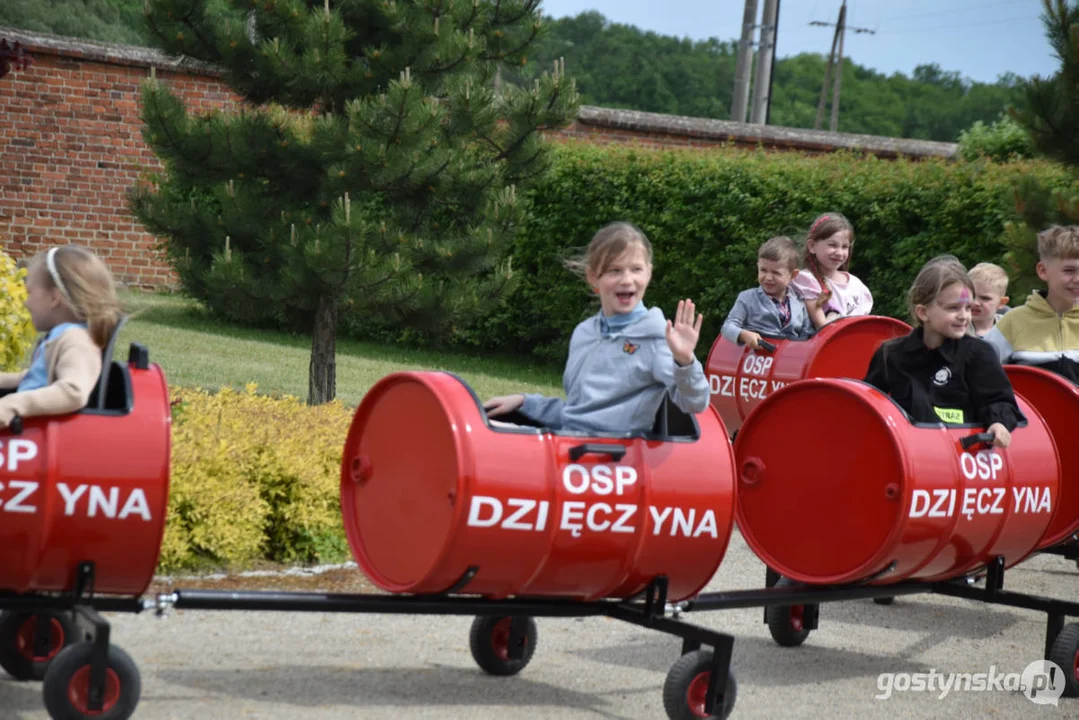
point(740, 378)
point(1057, 401)
point(869, 495)
point(92, 486)
point(429, 491)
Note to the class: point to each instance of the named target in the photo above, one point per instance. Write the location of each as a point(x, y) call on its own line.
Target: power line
point(957, 10)
point(924, 29)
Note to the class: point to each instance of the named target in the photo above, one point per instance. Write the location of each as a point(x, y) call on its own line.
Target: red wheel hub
point(798, 617)
point(697, 694)
point(1075, 666)
point(24, 639)
point(78, 691)
point(500, 639)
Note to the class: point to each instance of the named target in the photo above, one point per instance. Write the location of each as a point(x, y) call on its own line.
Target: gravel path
point(277, 666)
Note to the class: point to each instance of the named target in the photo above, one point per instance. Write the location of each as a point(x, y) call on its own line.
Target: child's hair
point(990, 274)
point(86, 285)
point(780, 249)
point(1059, 243)
point(611, 241)
point(824, 227)
point(936, 275)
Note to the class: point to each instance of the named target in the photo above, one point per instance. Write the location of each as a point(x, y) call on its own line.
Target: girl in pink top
point(827, 258)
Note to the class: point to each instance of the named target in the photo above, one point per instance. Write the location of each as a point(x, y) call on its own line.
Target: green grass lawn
point(198, 351)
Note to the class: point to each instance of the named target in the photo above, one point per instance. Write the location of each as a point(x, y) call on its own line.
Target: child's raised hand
point(503, 404)
point(1001, 437)
point(682, 334)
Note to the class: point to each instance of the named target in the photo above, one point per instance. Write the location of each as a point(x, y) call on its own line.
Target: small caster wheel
point(489, 641)
point(67, 685)
point(1065, 653)
point(884, 600)
point(18, 631)
point(686, 688)
point(787, 622)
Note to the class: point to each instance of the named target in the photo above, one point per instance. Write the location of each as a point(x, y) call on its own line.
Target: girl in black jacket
point(939, 372)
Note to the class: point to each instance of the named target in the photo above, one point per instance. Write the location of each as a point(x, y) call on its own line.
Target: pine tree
point(1052, 120)
point(373, 165)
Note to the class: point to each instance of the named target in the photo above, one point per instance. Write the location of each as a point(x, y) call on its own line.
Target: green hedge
point(706, 213)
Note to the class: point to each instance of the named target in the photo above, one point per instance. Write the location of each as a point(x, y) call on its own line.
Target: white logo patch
point(942, 376)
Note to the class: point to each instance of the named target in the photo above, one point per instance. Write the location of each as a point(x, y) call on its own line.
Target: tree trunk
point(322, 373)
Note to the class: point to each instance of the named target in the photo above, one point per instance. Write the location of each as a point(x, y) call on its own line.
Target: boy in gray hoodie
point(624, 360)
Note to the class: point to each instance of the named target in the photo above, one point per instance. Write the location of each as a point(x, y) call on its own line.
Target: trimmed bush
point(1003, 140)
point(253, 478)
point(706, 214)
point(17, 333)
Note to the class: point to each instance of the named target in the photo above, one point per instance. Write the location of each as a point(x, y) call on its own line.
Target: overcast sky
point(980, 40)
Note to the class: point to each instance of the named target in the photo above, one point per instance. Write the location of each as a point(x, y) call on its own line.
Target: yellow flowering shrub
point(253, 477)
point(17, 333)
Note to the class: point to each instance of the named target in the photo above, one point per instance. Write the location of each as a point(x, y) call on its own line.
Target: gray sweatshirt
point(615, 384)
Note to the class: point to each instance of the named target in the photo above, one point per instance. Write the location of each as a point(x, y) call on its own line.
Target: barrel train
point(456, 516)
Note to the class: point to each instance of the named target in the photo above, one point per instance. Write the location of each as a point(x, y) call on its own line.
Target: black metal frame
point(810, 597)
point(647, 610)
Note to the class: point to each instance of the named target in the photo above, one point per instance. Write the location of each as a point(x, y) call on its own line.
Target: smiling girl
point(827, 259)
point(626, 358)
point(940, 372)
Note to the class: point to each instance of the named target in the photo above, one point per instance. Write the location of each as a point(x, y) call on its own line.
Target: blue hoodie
point(616, 384)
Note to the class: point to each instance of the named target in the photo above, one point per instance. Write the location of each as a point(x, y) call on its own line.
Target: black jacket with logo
point(962, 375)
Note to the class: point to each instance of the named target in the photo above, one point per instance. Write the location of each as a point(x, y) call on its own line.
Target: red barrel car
point(740, 377)
point(91, 486)
point(435, 499)
point(875, 497)
point(1057, 401)
point(83, 503)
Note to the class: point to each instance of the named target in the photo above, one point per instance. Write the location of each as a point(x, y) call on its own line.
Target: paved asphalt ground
point(275, 666)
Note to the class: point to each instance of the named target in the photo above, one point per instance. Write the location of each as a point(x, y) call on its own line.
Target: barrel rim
point(1060, 536)
point(879, 560)
point(351, 525)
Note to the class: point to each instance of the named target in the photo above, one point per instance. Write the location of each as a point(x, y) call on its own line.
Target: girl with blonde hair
point(72, 301)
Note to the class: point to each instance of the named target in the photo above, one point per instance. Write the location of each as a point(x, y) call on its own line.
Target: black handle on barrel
point(767, 345)
point(971, 440)
point(616, 451)
point(15, 426)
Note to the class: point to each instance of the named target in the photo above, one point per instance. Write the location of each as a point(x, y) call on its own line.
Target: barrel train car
point(889, 501)
point(454, 514)
point(83, 502)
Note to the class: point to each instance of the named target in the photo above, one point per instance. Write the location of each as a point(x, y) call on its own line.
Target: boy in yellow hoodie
point(1044, 332)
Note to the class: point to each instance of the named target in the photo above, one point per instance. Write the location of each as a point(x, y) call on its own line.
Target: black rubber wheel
point(686, 688)
point(884, 600)
point(1065, 653)
point(787, 622)
point(67, 685)
point(489, 641)
point(17, 630)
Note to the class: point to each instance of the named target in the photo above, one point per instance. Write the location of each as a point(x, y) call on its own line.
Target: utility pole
point(840, 32)
point(765, 57)
point(743, 69)
point(841, 29)
point(828, 69)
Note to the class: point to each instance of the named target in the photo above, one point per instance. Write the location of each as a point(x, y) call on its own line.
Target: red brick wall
point(71, 145)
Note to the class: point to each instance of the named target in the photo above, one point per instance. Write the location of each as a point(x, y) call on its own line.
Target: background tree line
point(621, 66)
